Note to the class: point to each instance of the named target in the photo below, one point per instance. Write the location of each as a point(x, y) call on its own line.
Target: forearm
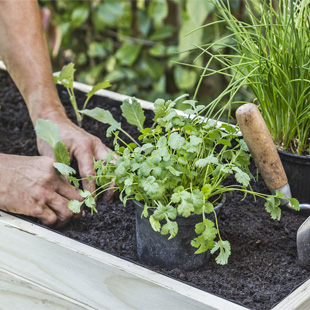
point(24, 51)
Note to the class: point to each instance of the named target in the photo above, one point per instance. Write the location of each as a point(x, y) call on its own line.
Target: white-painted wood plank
point(93, 277)
point(299, 299)
point(20, 294)
point(2, 65)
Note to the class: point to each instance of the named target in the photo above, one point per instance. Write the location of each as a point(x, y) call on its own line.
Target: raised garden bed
point(262, 269)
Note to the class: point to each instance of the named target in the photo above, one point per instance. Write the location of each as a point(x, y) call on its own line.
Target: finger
point(86, 168)
point(68, 191)
point(101, 150)
point(109, 194)
point(59, 205)
point(46, 215)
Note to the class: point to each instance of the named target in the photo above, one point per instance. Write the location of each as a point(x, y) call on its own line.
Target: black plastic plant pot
point(154, 249)
point(297, 169)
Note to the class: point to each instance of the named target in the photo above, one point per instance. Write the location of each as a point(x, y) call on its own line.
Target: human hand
point(81, 145)
point(31, 186)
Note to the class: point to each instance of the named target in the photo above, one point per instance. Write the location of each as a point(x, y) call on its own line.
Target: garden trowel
point(259, 141)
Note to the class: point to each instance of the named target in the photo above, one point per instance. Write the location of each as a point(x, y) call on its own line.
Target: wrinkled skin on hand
point(30, 185)
point(82, 146)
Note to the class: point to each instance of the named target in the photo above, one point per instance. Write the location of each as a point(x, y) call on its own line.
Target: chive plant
point(270, 56)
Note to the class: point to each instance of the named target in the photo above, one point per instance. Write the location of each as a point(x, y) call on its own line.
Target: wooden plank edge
point(46, 290)
point(2, 65)
point(119, 263)
point(299, 299)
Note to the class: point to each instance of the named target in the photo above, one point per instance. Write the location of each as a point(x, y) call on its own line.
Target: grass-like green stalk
point(271, 57)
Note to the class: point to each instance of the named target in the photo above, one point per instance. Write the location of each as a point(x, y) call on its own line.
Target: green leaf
point(242, 177)
point(158, 50)
point(170, 228)
point(159, 108)
point(224, 247)
point(61, 153)
point(207, 190)
point(165, 211)
point(209, 207)
point(150, 185)
point(145, 211)
point(272, 206)
point(84, 193)
point(185, 208)
point(295, 204)
point(202, 244)
point(96, 49)
point(79, 15)
point(128, 53)
point(97, 87)
point(90, 203)
point(174, 171)
point(161, 33)
point(196, 141)
point(198, 10)
point(188, 41)
point(243, 145)
point(133, 112)
point(74, 180)
point(176, 141)
point(64, 169)
point(185, 79)
point(211, 159)
point(108, 13)
point(162, 142)
point(197, 199)
point(47, 131)
point(154, 223)
point(102, 116)
point(75, 206)
point(153, 67)
point(66, 76)
point(158, 10)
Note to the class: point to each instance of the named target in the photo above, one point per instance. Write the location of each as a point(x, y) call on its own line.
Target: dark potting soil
point(262, 269)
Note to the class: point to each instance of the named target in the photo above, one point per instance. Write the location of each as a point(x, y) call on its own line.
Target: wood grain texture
point(92, 277)
point(19, 294)
point(261, 146)
point(297, 300)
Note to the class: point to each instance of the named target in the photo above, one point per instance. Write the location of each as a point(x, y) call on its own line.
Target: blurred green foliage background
point(136, 44)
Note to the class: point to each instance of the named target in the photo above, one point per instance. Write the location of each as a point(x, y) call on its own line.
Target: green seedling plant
point(269, 58)
point(65, 78)
point(178, 167)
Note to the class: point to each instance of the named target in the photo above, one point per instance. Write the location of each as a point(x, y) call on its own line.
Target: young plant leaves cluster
point(178, 168)
point(66, 77)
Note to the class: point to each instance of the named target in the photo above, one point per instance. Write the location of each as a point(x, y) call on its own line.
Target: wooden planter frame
point(41, 269)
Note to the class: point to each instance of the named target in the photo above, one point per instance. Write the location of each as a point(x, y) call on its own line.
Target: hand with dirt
point(31, 186)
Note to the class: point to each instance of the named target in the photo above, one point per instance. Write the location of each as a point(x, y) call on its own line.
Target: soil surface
point(263, 267)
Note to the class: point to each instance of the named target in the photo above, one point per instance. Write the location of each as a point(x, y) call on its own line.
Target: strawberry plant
point(65, 78)
point(178, 167)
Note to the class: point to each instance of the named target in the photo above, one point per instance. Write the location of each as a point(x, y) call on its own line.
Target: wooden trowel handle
point(261, 146)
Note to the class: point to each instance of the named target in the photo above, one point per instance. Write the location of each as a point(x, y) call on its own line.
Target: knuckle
point(37, 211)
point(50, 219)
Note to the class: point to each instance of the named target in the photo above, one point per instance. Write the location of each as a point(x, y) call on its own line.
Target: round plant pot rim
point(294, 155)
point(216, 208)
